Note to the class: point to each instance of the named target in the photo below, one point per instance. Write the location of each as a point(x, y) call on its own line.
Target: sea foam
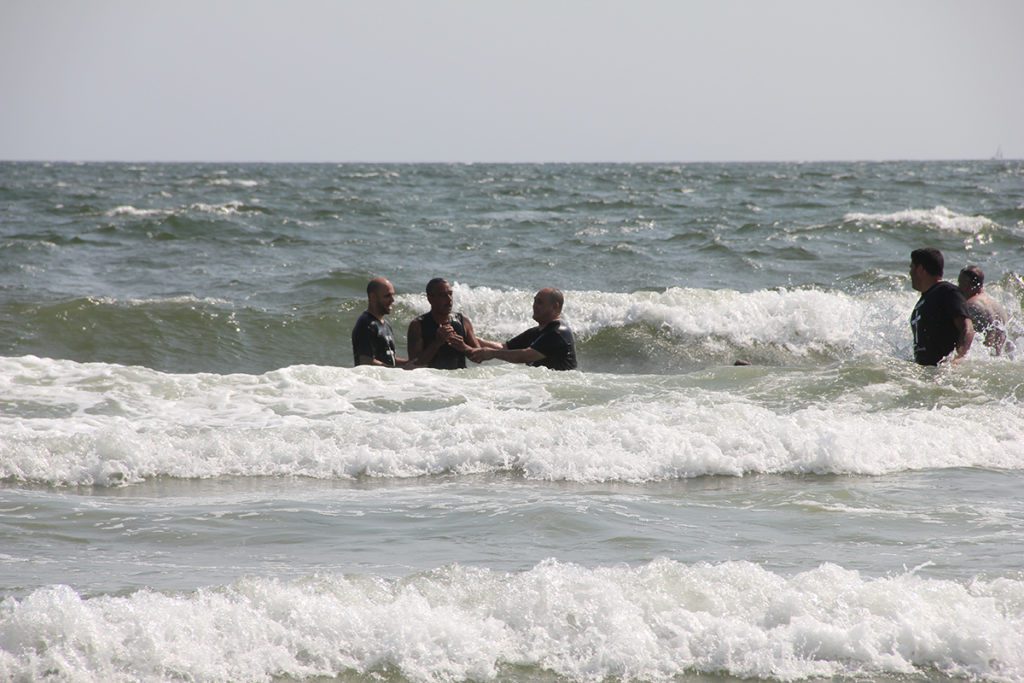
point(939, 218)
point(801, 321)
point(86, 424)
point(652, 622)
point(795, 322)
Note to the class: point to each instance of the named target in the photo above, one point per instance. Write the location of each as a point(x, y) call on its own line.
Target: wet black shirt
point(935, 335)
point(446, 357)
point(374, 338)
point(554, 340)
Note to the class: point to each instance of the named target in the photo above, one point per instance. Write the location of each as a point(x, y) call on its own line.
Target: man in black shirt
point(550, 345)
point(438, 339)
point(373, 342)
point(940, 320)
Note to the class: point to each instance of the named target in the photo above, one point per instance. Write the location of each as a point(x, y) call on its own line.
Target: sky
point(511, 81)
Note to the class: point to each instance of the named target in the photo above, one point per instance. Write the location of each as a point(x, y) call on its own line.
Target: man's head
point(380, 296)
point(440, 296)
point(971, 281)
point(926, 267)
point(547, 305)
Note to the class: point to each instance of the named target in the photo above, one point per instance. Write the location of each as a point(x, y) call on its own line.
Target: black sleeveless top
point(446, 357)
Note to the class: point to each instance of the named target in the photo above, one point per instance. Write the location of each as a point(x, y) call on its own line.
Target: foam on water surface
point(939, 218)
point(85, 424)
point(651, 622)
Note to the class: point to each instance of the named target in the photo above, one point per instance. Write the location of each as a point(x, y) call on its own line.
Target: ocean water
point(196, 484)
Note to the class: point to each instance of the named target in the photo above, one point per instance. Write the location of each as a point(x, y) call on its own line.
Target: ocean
point(196, 484)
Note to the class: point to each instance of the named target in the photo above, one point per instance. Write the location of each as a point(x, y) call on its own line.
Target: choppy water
point(195, 483)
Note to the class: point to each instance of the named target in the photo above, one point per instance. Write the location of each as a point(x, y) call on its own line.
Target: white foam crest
point(84, 424)
point(653, 622)
point(132, 211)
point(186, 299)
point(233, 182)
point(799, 320)
point(228, 208)
point(940, 218)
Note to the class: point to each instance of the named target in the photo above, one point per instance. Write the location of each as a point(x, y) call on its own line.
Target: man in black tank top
point(438, 339)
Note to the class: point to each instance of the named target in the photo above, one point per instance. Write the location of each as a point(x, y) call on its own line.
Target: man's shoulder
point(944, 287)
point(364, 319)
point(945, 291)
point(368, 321)
point(561, 328)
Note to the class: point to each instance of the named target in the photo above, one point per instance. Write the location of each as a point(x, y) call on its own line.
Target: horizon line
point(507, 163)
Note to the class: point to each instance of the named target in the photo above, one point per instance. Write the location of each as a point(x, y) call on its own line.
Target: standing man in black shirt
point(940, 320)
point(438, 339)
point(373, 342)
point(550, 345)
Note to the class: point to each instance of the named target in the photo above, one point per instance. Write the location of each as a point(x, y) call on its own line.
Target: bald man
point(987, 314)
point(373, 342)
point(548, 345)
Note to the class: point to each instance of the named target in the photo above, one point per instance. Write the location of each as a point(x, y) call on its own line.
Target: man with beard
point(373, 342)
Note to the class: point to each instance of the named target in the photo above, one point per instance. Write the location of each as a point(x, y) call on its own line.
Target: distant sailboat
point(998, 156)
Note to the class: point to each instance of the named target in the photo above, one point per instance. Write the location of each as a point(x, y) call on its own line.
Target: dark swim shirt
point(932, 321)
point(554, 340)
point(374, 338)
point(446, 357)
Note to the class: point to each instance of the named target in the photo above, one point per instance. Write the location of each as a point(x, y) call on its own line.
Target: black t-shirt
point(374, 338)
point(935, 335)
point(446, 357)
point(554, 340)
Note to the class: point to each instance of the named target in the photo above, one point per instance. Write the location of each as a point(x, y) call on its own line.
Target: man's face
point(385, 298)
point(916, 276)
point(441, 299)
point(543, 308)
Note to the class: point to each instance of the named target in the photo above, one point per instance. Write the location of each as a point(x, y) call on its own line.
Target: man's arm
point(414, 341)
point(965, 336)
point(363, 346)
point(470, 342)
point(510, 355)
point(473, 343)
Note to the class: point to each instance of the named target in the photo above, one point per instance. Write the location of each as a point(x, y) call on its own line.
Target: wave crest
point(94, 424)
point(939, 218)
point(653, 622)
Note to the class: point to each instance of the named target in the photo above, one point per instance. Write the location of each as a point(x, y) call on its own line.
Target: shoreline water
point(196, 484)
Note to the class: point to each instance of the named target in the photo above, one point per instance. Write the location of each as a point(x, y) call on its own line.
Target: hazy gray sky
point(522, 80)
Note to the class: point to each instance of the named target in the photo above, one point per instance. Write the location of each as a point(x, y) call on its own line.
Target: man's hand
point(480, 355)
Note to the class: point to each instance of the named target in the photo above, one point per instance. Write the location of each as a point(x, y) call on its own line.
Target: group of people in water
point(947, 316)
point(944, 322)
point(443, 340)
